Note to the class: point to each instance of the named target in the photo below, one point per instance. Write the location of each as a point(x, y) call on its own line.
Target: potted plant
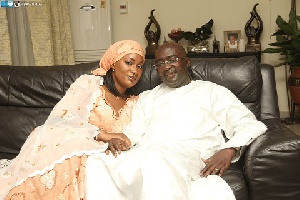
point(288, 44)
point(198, 39)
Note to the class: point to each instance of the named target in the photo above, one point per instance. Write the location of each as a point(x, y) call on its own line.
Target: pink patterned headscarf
point(115, 52)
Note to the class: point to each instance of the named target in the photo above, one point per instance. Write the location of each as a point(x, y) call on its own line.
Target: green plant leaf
point(284, 26)
point(280, 38)
point(293, 20)
point(283, 44)
point(279, 32)
point(273, 50)
point(280, 64)
point(287, 40)
point(295, 42)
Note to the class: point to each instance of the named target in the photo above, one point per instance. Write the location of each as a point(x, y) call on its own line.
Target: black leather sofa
point(269, 167)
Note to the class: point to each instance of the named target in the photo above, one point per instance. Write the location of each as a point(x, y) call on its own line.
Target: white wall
point(190, 14)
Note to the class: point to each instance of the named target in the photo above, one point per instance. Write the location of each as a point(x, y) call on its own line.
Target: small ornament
point(253, 33)
point(152, 36)
point(216, 45)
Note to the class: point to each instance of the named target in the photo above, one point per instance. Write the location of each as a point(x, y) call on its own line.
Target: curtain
point(20, 38)
point(51, 33)
point(5, 51)
point(40, 35)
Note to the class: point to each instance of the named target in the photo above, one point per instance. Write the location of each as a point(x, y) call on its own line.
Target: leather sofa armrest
point(235, 179)
point(272, 163)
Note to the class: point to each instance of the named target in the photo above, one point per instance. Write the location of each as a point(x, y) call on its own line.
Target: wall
point(190, 14)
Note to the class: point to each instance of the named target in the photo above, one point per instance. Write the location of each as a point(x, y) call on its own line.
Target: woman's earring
point(113, 69)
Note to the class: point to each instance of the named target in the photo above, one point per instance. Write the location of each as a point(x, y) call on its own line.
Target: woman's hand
point(116, 145)
point(218, 163)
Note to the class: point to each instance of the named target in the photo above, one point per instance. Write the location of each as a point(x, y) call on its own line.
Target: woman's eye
point(128, 63)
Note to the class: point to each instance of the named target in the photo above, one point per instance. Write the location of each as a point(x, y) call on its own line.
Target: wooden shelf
point(219, 55)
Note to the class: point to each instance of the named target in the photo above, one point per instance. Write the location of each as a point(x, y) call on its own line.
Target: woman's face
point(127, 71)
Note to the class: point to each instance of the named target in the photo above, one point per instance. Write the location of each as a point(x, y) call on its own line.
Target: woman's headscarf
point(115, 52)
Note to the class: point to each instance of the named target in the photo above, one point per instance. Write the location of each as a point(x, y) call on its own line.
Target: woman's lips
point(132, 78)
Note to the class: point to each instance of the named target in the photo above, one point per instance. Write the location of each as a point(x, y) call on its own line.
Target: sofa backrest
point(242, 76)
point(28, 94)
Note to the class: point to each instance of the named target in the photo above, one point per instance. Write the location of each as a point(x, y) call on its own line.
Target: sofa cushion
point(27, 96)
point(241, 76)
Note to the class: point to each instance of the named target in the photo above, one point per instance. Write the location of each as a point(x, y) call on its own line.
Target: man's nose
point(167, 65)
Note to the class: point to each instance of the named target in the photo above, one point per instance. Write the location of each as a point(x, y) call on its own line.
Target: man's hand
point(218, 163)
point(105, 137)
point(123, 137)
point(116, 145)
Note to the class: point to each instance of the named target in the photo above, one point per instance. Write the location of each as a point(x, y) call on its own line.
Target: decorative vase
point(294, 85)
point(176, 35)
point(200, 47)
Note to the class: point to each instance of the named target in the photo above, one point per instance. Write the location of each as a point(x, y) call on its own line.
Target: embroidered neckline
point(116, 114)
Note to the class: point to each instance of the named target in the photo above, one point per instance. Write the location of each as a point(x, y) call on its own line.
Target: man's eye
point(140, 66)
point(172, 60)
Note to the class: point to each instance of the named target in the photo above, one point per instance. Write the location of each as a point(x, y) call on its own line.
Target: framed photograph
point(231, 40)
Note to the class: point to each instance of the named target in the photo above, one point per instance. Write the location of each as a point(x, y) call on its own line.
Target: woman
point(51, 163)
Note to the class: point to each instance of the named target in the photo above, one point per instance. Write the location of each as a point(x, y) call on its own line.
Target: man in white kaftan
point(174, 127)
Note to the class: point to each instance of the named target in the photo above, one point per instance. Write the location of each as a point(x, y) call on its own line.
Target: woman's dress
point(51, 163)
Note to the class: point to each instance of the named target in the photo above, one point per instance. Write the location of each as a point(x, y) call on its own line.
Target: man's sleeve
point(239, 124)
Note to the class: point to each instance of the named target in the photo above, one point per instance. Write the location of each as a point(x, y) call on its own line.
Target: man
point(176, 133)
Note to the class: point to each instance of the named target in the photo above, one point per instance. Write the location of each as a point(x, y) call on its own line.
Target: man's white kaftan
point(172, 130)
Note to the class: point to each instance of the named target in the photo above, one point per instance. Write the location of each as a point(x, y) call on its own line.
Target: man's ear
point(188, 62)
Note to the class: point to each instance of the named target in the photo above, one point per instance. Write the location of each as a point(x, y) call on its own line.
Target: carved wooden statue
point(254, 32)
point(152, 36)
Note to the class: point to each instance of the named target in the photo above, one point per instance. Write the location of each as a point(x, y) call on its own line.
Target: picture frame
point(231, 40)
